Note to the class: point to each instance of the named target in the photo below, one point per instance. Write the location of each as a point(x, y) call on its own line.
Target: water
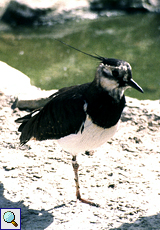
point(51, 65)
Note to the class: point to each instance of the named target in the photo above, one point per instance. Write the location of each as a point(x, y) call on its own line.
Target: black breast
point(103, 109)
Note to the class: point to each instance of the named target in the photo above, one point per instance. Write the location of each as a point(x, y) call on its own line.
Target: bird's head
point(115, 77)
point(112, 75)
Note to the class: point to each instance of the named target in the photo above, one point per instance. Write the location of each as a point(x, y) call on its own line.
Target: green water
point(51, 65)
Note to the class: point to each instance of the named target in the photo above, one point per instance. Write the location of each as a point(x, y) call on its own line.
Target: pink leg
point(75, 168)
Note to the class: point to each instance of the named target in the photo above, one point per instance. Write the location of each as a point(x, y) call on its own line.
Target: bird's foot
point(87, 201)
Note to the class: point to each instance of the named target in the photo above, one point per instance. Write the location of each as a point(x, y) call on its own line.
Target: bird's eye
point(107, 73)
point(115, 73)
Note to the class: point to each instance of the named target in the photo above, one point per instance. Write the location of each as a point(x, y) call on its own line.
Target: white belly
point(91, 138)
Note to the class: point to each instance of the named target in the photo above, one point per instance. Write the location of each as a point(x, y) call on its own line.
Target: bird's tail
point(26, 126)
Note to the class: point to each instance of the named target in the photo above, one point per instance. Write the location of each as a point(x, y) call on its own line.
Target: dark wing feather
point(61, 116)
point(25, 119)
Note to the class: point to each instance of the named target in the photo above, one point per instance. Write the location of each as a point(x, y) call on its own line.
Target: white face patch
point(108, 84)
point(108, 77)
point(112, 87)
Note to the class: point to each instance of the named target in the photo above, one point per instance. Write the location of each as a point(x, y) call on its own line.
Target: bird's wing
point(64, 114)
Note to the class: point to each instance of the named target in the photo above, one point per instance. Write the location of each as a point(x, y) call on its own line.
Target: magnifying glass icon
point(9, 217)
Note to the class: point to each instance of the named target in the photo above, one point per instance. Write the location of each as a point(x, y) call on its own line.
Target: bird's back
point(61, 116)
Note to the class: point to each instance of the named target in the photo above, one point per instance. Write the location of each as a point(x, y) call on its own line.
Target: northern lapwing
point(82, 117)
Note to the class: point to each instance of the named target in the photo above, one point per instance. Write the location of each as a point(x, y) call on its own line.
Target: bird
point(82, 117)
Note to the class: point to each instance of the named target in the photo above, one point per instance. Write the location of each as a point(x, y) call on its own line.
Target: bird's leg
point(75, 168)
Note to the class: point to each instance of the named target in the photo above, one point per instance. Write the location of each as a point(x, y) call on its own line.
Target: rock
point(131, 6)
point(10, 77)
point(29, 13)
point(15, 83)
point(18, 13)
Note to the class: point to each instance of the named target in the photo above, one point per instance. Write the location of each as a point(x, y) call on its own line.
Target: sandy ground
point(123, 176)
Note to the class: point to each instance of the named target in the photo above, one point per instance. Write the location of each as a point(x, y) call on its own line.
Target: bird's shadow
point(142, 223)
point(30, 218)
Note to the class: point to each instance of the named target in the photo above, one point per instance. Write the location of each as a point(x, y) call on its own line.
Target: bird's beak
point(134, 85)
